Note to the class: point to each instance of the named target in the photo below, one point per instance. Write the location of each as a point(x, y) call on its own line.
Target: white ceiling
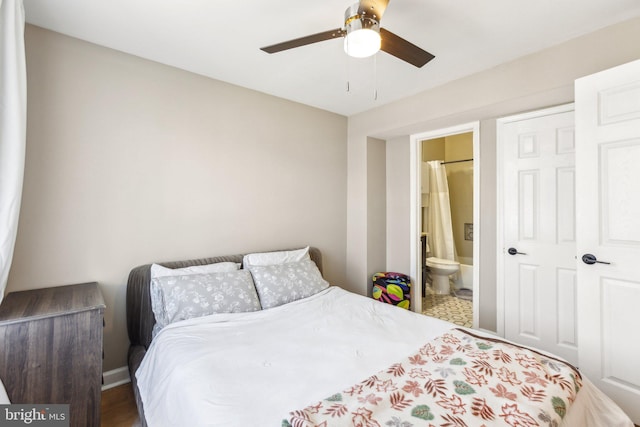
point(221, 39)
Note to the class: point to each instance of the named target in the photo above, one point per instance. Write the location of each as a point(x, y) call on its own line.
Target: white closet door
point(608, 227)
point(538, 211)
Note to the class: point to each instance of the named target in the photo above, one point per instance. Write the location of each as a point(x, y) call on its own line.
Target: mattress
point(252, 369)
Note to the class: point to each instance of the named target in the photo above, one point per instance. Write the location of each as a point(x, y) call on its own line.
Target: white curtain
point(439, 225)
point(13, 125)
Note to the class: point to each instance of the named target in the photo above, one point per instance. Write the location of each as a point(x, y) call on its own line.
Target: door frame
point(500, 123)
point(415, 174)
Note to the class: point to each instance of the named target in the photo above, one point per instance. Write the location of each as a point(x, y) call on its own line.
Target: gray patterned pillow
point(282, 283)
point(157, 297)
point(195, 295)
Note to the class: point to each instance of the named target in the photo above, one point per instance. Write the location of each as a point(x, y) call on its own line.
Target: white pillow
point(157, 297)
point(279, 284)
point(196, 295)
point(278, 257)
point(159, 271)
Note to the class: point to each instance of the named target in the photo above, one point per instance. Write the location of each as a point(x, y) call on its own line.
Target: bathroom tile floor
point(448, 307)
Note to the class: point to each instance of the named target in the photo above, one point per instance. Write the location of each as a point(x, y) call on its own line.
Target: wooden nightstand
point(51, 348)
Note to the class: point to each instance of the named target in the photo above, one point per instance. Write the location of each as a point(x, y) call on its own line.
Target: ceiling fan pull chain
point(348, 63)
point(375, 77)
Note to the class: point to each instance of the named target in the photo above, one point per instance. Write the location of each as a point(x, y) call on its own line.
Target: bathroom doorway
point(445, 223)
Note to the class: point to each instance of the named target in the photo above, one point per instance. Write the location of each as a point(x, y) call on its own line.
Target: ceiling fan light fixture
point(363, 33)
point(362, 43)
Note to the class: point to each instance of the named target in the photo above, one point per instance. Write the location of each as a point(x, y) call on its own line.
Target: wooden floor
point(118, 407)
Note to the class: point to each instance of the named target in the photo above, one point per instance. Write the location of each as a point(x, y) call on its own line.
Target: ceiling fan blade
point(402, 49)
point(302, 41)
point(373, 7)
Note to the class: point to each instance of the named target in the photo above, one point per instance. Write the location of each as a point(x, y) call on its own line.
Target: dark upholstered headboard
point(140, 319)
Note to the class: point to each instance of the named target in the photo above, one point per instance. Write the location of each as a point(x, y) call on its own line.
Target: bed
point(328, 357)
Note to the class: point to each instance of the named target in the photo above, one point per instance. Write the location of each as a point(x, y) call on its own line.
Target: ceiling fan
point(363, 36)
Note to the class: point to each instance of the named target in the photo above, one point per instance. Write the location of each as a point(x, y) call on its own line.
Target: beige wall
point(433, 149)
point(397, 154)
point(376, 196)
point(460, 179)
point(130, 162)
point(531, 82)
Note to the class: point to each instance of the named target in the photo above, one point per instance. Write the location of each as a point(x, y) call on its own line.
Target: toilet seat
point(440, 262)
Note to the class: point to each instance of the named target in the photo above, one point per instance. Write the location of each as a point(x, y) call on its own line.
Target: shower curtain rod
point(456, 161)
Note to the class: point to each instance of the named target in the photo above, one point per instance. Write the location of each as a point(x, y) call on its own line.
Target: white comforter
point(251, 369)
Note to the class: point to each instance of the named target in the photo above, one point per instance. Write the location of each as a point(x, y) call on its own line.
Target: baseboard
point(115, 377)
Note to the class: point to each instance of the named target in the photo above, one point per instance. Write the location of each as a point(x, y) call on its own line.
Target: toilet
point(441, 269)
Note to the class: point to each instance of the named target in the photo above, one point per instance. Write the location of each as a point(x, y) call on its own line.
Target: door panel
point(539, 283)
point(566, 308)
point(608, 226)
point(619, 299)
point(620, 211)
point(566, 205)
point(566, 140)
point(619, 103)
point(528, 203)
point(527, 288)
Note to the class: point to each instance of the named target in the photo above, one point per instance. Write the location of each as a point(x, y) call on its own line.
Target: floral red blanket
point(459, 379)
